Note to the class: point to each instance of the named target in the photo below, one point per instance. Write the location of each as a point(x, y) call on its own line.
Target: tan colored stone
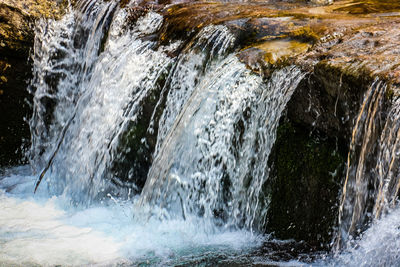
point(17, 17)
point(38, 8)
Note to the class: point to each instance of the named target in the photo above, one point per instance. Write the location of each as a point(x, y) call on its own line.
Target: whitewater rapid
point(42, 229)
point(215, 130)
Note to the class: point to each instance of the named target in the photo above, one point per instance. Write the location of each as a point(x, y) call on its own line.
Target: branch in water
point(50, 162)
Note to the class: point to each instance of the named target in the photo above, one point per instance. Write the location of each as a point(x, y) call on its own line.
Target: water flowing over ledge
point(171, 143)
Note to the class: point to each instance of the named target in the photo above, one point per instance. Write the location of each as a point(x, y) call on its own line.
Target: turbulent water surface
point(46, 230)
point(202, 126)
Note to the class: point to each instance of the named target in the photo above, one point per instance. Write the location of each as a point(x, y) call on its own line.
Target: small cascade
point(388, 163)
point(211, 43)
point(157, 112)
point(213, 161)
point(200, 121)
point(64, 54)
point(93, 102)
point(372, 177)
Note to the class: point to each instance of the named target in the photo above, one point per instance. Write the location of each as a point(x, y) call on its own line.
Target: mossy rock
point(306, 171)
point(312, 144)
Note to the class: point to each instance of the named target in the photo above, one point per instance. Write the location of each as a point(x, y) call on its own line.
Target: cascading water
point(388, 164)
point(371, 179)
point(358, 176)
point(214, 123)
point(224, 134)
point(162, 150)
point(103, 100)
point(212, 42)
point(228, 125)
point(64, 54)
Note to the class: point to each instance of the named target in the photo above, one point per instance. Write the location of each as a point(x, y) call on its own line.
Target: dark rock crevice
point(17, 20)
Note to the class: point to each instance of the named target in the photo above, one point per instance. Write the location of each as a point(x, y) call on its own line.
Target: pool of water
point(40, 229)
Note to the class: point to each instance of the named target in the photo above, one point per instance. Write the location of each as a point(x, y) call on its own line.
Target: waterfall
point(388, 164)
point(143, 137)
point(213, 162)
point(95, 96)
point(160, 148)
point(212, 42)
point(210, 122)
point(64, 54)
point(372, 179)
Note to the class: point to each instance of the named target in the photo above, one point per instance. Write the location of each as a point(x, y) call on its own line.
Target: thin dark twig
point(50, 162)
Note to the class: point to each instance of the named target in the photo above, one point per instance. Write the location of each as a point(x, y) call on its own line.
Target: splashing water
point(91, 76)
point(371, 184)
point(377, 246)
point(45, 230)
point(213, 122)
point(214, 158)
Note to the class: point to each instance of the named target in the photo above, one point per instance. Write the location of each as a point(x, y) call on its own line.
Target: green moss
point(354, 78)
point(304, 184)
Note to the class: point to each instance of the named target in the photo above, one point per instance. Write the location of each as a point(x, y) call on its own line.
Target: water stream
point(190, 128)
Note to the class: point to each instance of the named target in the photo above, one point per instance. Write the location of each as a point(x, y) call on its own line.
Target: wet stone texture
point(342, 45)
point(17, 18)
point(309, 157)
point(304, 181)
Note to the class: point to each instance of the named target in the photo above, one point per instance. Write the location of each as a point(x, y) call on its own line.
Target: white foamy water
point(44, 230)
point(212, 162)
point(377, 246)
point(214, 132)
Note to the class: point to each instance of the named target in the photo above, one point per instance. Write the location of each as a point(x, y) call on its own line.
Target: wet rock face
point(343, 45)
point(370, 50)
point(14, 108)
point(17, 19)
point(328, 99)
point(317, 127)
point(309, 157)
point(306, 170)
